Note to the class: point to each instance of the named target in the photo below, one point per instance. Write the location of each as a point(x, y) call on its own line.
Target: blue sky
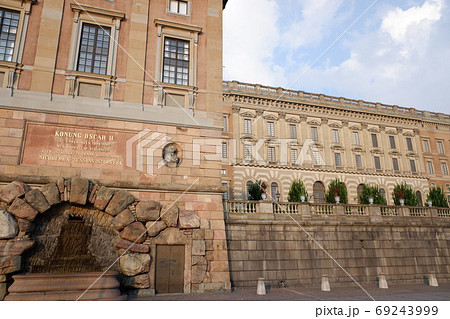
point(397, 53)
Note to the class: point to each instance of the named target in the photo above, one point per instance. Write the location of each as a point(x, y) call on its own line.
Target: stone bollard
point(325, 283)
point(432, 280)
point(382, 282)
point(261, 288)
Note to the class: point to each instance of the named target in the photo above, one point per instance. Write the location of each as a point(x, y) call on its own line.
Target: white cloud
point(250, 40)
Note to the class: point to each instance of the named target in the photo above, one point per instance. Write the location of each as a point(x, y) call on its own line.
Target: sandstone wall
point(405, 249)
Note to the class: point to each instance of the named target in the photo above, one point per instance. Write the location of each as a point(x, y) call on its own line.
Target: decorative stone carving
point(22, 209)
point(37, 200)
point(8, 225)
point(169, 214)
point(13, 190)
point(154, 228)
point(170, 154)
point(119, 202)
point(134, 264)
point(135, 232)
point(147, 211)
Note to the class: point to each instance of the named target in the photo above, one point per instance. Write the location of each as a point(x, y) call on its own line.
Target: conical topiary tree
point(406, 192)
point(297, 189)
point(374, 192)
point(336, 188)
point(437, 197)
point(256, 189)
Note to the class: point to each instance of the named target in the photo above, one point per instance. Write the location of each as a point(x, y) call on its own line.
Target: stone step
point(65, 287)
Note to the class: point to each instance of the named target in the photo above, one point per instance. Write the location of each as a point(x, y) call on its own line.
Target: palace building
point(279, 136)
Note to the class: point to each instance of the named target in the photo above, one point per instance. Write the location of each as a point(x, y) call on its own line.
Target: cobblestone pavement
point(394, 293)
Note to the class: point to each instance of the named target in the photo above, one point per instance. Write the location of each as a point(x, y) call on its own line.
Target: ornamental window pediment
point(355, 127)
point(314, 122)
point(391, 131)
point(408, 133)
point(292, 120)
point(270, 117)
point(373, 129)
point(335, 125)
point(247, 114)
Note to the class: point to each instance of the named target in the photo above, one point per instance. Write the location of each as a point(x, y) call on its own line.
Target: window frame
point(337, 159)
point(271, 154)
point(293, 131)
point(314, 133)
point(247, 126)
point(413, 166)
point(392, 142)
point(188, 8)
point(355, 138)
point(224, 150)
point(441, 149)
point(409, 144)
point(225, 123)
point(335, 136)
point(166, 79)
point(395, 164)
point(426, 146)
point(358, 166)
point(377, 160)
point(294, 158)
point(444, 168)
point(374, 138)
point(98, 28)
point(248, 152)
point(271, 128)
point(430, 168)
point(10, 27)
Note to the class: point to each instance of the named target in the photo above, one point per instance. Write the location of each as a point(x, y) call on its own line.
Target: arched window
point(359, 191)
point(274, 191)
point(319, 193)
point(419, 197)
point(247, 189)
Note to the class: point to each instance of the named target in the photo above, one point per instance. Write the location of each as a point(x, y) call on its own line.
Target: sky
point(389, 51)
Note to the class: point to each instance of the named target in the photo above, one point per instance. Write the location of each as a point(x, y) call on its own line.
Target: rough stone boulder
point(188, 219)
point(79, 189)
point(10, 264)
point(22, 209)
point(104, 195)
point(139, 281)
point(128, 245)
point(8, 225)
point(37, 200)
point(169, 214)
point(147, 210)
point(125, 218)
point(135, 232)
point(13, 190)
point(134, 264)
point(154, 228)
point(15, 247)
point(51, 193)
point(119, 202)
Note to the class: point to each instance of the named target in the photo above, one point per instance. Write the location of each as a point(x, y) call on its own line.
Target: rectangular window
point(294, 155)
point(225, 195)
point(314, 133)
point(176, 61)
point(224, 123)
point(293, 131)
point(377, 162)
point(374, 140)
point(335, 135)
point(316, 157)
point(178, 6)
point(247, 126)
point(94, 49)
point(430, 167)
point(392, 142)
point(395, 164)
point(247, 152)
point(444, 168)
point(409, 144)
point(9, 24)
point(355, 136)
point(224, 150)
point(270, 129)
point(358, 161)
point(337, 159)
point(440, 147)
point(412, 163)
point(426, 146)
point(271, 154)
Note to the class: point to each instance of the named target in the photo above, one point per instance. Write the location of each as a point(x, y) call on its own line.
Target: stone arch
point(319, 192)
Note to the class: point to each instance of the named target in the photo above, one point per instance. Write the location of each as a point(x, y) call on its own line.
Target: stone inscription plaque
point(52, 145)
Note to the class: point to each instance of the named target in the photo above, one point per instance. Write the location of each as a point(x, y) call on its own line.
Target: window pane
point(440, 147)
point(9, 20)
point(271, 154)
point(430, 167)
point(358, 161)
point(178, 63)
point(392, 142)
point(355, 138)
point(294, 156)
point(314, 134)
point(247, 126)
point(224, 150)
point(413, 165)
point(183, 7)
point(274, 191)
point(409, 144)
point(93, 49)
point(292, 131)
point(395, 164)
point(270, 129)
point(225, 124)
point(426, 146)
point(337, 159)
point(374, 140)
point(444, 168)
point(377, 162)
point(316, 157)
point(335, 134)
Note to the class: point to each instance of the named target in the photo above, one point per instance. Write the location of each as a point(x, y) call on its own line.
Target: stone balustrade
point(306, 210)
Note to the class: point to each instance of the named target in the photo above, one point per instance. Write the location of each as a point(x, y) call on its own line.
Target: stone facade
point(318, 138)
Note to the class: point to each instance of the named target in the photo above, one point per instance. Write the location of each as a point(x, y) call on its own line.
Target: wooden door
point(169, 269)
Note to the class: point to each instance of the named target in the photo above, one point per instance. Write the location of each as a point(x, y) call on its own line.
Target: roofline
point(224, 3)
